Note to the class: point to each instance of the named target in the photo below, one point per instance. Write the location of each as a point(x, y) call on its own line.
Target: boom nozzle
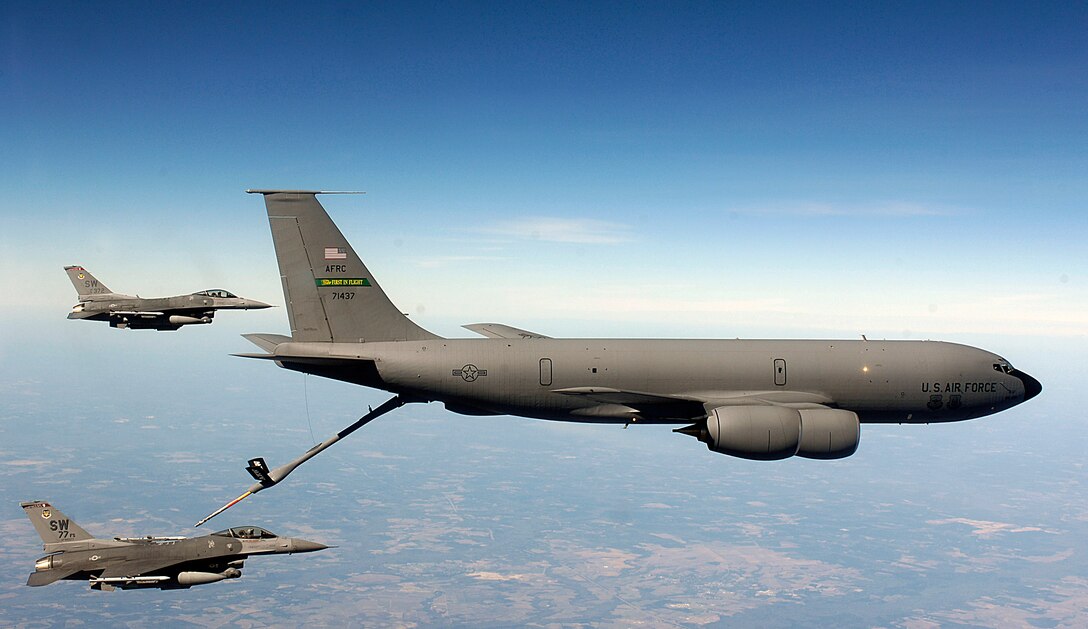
point(265, 478)
point(224, 507)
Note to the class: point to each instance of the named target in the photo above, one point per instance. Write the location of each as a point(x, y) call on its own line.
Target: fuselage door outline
point(545, 372)
point(780, 372)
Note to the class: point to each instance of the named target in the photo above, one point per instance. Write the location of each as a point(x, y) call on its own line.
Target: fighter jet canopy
point(247, 532)
point(218, 292)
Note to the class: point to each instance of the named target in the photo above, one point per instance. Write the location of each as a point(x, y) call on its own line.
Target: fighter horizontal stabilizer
point(501, 331)
point(38, 579)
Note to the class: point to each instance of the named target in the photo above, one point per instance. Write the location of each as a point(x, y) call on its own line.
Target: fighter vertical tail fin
point(330, 294)
point(86, 284)
point(52, 525)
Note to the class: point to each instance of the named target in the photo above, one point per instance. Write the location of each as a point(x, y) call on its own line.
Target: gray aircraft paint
point(673, 381)
point(331, 294)
point(756, 399)
point(147, 562)
point(99, 303)
point(344, 327)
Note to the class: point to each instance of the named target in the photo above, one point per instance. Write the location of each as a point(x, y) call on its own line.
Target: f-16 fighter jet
point(98, 303)
point(167, 563)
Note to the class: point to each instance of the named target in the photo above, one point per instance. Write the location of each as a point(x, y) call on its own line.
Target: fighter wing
point(616, 403)
point(137, 567)
point(501, 331)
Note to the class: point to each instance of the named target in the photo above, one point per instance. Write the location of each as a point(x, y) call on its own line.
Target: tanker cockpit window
point(1003, 367)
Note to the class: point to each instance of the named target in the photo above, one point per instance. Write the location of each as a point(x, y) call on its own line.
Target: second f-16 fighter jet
point(167, 563)
point(98, 303)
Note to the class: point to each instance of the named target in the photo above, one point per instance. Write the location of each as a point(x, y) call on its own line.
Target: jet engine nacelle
point(769, 433)
point(763, 433)
point(200, 578)
point(828, 433)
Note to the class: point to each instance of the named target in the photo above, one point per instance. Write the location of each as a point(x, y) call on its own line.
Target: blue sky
point(905, 170)
point(680, 169)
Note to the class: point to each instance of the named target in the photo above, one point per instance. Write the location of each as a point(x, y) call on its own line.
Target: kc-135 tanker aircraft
point(166, 563)
point(755, 399)
point(99, 303)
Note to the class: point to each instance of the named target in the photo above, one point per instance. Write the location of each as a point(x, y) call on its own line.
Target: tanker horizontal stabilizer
point(500, 331)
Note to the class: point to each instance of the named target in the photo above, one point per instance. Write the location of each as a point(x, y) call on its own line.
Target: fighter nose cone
point(253, 304)
point(305, 546)
point(1032, 387)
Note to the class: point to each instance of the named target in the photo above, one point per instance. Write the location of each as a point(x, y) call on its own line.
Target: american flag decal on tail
point(336, 253)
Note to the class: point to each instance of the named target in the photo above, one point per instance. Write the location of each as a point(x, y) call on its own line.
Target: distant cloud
point(986, 528)
point(495, 576)
point(555, 229)
point(26, 463)
point(885, 209)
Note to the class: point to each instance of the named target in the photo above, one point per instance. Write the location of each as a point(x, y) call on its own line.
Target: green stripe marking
point(341, 281)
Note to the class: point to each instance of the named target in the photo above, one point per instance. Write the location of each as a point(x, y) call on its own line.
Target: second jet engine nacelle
point(768, 433)
point(828, 433)
point(200, 578)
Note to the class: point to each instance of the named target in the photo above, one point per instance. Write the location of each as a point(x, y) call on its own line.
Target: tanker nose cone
point(305, 546)
point(1032, 387)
